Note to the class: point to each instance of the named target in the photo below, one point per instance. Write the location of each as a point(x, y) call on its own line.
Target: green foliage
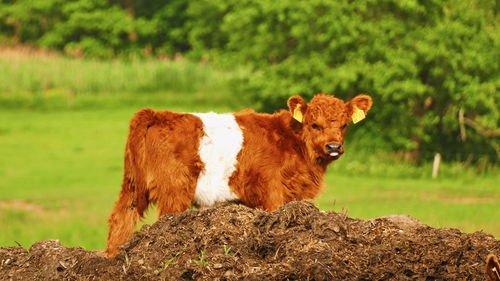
point(53, 75)
point(160, 26)
point(424, 62)
point(26, 20)
point(91, 27)
point(228, 250)
point(161, 268)
point(201, 259)
point(83, 27)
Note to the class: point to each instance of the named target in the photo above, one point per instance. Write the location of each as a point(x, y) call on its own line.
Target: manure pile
point(296, 242)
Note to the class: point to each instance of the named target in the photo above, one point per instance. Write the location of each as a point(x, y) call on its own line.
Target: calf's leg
point(127, 212)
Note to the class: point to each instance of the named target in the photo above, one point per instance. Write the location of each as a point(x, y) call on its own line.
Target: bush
point(430, 65)
point(422, 61)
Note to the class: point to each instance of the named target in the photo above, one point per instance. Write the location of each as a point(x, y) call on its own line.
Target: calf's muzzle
point(334, 147)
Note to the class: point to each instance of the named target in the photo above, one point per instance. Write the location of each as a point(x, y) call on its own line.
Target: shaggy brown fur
point(281, 160)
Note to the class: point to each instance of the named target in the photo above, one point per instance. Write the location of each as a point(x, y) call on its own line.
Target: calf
point(179, 160)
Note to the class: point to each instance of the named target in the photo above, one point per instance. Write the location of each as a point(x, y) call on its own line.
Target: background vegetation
point(72, 72)
point(431, 65)
point(61, 171)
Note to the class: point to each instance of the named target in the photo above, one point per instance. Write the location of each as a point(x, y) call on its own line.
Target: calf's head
point(324, 120)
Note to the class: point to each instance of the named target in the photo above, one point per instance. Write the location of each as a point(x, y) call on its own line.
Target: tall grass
point(42, 73)
point(42, 79)
point(60, 170)
point(93, 76)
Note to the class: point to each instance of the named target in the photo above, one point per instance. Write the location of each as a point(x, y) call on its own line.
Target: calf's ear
point(298, 107)
point(358, 107)
point(363, 102)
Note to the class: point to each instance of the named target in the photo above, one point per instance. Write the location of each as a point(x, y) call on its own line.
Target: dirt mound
point(296, 242)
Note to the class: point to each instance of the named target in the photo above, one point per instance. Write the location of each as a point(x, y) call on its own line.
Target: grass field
point(63, 125)
point(29, 72)
point(61, 173)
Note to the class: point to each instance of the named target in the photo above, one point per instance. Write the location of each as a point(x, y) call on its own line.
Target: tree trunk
point(129, 6)
point(414, 154)
point(419, 109)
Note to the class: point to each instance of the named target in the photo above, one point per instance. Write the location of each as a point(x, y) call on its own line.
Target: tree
point(422, 61)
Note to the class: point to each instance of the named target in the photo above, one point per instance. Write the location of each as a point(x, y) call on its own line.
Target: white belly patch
point(219, 148)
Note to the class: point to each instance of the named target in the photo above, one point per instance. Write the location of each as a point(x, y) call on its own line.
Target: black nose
point(333, 147)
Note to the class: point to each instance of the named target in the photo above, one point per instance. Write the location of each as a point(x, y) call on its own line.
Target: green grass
point(61, 170)
point(54, 74)
point(66, 163)
point(470, 204)
point(44, 81)
point(63, 126)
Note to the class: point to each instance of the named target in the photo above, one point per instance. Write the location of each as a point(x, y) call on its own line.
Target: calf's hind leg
point(127, 212)
point(174, 192)
point(174, 167)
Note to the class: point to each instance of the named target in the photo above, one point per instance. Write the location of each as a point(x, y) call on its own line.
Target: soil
point(296, 242)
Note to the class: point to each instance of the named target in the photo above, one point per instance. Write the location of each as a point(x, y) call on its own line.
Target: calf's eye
point(344, 126)
point(315, 126)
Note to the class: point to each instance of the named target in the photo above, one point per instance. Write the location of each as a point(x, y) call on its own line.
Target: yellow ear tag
point(297, 114)
point(358, 115)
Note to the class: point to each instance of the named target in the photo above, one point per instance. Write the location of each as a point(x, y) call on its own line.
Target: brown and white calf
point(179, 160)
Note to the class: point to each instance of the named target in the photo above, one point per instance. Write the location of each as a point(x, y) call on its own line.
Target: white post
point(435, 166)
